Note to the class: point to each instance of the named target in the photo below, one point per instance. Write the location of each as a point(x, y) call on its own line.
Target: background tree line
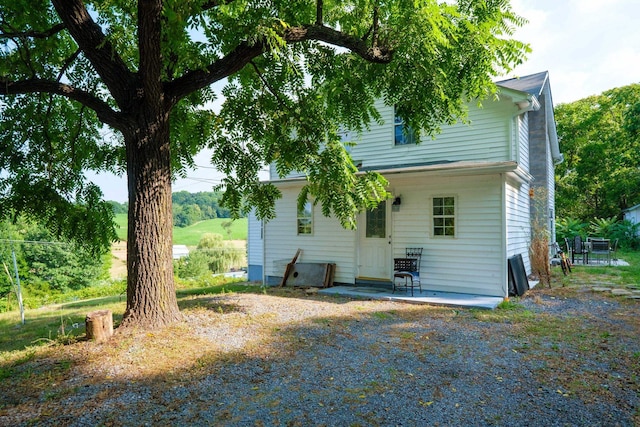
point(600, 177)
point(47, 267)
point(189, 208)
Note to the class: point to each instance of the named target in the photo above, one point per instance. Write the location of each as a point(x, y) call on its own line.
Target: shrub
point(569, 228)
point(627, 234)
point(213, 255)
point(602, 227)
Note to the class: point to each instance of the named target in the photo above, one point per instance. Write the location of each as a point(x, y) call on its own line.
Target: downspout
point(503, 214)
point(264, 253)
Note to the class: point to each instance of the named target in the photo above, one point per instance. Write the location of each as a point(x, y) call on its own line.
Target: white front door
point(375, 243)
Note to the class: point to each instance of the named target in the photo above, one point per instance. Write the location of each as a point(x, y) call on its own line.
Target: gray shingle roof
point(533, 84)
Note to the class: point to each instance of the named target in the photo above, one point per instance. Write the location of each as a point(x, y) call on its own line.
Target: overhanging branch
point(245, 52)
point(222, 68)
point(105, 113)
point(377, 54)
point(30, 34)
point(97, 48)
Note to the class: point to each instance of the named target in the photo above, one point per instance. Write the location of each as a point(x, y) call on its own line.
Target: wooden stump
point(99, 325)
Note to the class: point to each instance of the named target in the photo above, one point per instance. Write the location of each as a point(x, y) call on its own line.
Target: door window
point(377, 221)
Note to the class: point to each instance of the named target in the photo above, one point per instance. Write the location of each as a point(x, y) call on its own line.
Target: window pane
point(306, 212)
point(399, 136)
point(402, 136)
point(305, 219)
point(377, 221)
point(304, 226)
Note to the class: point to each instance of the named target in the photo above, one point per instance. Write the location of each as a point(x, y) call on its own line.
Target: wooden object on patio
point(569, 246)
point(287, 270)
point(406, 271)
point(311, 274)
point(99, 325)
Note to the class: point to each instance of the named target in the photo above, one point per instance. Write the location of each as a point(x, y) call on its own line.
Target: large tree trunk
point(151, 297)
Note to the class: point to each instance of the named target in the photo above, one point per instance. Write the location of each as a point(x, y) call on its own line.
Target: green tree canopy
point(295, 72)
point(599, 137)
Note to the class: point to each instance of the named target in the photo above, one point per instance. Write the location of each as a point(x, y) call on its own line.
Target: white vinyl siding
point(329, 242)
point(254, 236)
point(518, 221)
point(487, 138)
point(470, 263)
point(254, 247)
point(551, 197)
point(522, 121)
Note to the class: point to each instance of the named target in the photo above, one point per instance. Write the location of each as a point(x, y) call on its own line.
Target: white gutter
point(451, 169)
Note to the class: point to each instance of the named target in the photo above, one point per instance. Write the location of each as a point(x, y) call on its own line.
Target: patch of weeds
point(407, 335)
point(606, 334)
point(509, 304)
point(382, 315)
point(508, 311)
point(58, 393)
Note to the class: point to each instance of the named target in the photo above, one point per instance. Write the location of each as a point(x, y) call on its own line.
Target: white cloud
point(588, 46)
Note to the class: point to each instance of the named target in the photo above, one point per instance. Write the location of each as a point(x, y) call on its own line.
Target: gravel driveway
point(289, 359)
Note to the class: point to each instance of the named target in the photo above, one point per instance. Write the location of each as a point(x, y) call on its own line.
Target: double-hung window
point(305, 219)
point(444, 216)
point(402, 135)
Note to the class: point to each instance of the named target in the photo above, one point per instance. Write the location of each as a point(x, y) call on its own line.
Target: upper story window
point(347, 139)
point(402, 135)
point(444, 216)
point(305, 219)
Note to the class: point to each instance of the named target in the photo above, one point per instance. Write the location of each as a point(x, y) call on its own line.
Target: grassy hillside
point(191, 235)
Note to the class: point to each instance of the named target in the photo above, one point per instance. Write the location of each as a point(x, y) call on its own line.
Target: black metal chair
point(579, 248)
point(601, 247)
point(406, 274)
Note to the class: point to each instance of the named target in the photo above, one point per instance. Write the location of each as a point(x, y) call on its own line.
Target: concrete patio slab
point(426, 297)
point(603, 263)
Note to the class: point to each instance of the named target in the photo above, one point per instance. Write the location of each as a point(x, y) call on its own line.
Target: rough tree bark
point(151, 297)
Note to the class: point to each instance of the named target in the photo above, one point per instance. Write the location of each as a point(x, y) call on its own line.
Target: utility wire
point(38, 242)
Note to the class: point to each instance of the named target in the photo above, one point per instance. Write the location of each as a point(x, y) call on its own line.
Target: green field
point(191, 235)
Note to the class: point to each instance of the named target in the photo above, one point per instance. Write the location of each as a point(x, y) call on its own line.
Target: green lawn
point(65, 322)
point(191, 235)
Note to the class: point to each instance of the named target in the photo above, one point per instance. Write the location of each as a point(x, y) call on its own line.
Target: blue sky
point(588, 46)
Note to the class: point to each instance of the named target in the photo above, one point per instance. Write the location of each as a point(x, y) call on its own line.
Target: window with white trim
point(402, 135)
point(444, 216)
point(305, 219)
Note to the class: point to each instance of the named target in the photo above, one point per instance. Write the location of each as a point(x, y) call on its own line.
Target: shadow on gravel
point(375, 364)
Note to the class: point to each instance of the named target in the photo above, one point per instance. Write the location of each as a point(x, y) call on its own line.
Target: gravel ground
point(297, 360)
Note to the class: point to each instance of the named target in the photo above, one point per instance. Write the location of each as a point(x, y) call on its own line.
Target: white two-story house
point(465, 197)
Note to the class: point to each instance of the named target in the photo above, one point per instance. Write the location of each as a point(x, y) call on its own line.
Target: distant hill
point(191, 234)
